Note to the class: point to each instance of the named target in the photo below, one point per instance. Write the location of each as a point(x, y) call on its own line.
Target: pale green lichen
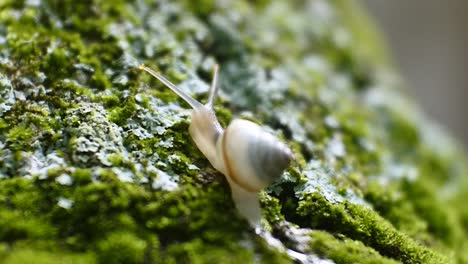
point(97, 165)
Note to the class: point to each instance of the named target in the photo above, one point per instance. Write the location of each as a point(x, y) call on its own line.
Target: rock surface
point(97, 166)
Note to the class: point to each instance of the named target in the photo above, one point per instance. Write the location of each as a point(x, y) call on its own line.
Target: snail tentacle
point(214, 87)
point(187, 98)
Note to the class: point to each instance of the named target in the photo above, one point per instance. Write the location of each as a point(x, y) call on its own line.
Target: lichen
point(97, 165)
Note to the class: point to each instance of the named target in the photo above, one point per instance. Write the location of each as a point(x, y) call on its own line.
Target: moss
point(16, 227)
point(397, 210)
point(97, 164)
point(110, 100)
point(345, 250)
point(24, 254)
point(272, 212)
point(99, 209)
point(82, 176)
point(442, 222)
point(20, 203)
point(192, 252)
point(20, 137)
point(121, 248)
point(363, 224)
point(120, 115)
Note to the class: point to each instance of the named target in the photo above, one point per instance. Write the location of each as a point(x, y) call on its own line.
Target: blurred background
point(429, 42)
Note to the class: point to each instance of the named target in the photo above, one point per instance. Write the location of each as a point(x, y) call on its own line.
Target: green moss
point(201, 8)
point(344, 250)
point(360, 223)
point(121, 247)
point(16, 227)
point(272, 212)
point(3, 124)
point(74, 88)
point(120, 115)
point(25, 254)
point(110, 100)
point(99, 209)
point(20, 137)
point(82, 176)
point(18, 213)
point(399, 211)
point(192, 252)
point(55, 62)
point(442, 221)
point(96, 160)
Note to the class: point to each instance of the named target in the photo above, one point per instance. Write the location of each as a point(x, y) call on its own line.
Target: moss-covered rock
point(97, 166)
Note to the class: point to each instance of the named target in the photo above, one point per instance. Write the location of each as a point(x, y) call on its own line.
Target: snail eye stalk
point(187, 98)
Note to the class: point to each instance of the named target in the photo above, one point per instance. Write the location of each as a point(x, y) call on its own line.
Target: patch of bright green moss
point(26, 254)
point(363, 224)
point(100, 209)
point(20, 137)
point(130, 249)
point(344, 250)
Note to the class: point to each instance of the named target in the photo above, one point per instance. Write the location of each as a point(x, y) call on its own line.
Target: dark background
point(429, 42)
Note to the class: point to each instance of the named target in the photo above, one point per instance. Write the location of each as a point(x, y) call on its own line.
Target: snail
point(248, 156)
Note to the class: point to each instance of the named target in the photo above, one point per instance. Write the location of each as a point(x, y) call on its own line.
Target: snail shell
point(252, 157)
point(249, 157)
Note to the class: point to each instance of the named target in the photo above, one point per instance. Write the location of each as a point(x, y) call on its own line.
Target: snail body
point(248, 156)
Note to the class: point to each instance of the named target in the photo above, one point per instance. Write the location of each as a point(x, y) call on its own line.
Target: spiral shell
point(252, 157)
